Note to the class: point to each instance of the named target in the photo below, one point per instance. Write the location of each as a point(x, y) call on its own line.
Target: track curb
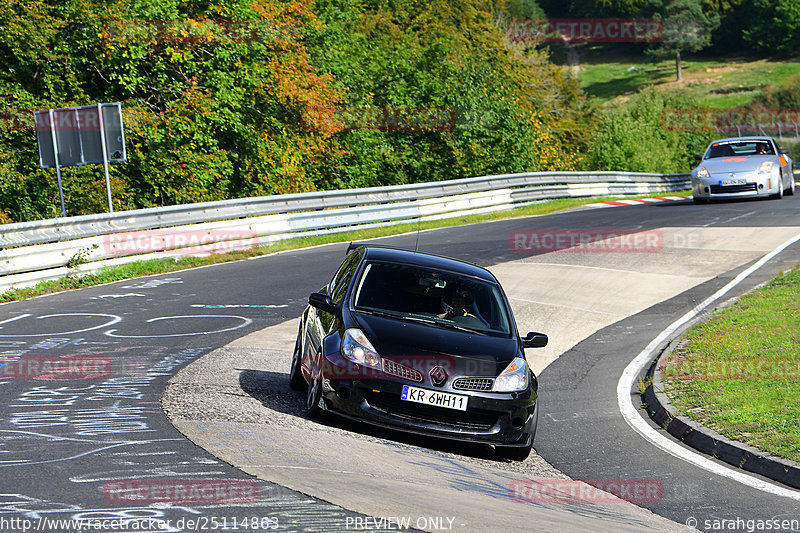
point(706, 440)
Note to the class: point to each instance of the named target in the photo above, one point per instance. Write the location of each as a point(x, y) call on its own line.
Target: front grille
point(474, 419)
point(727, 189)
point(401, 371)
point(474, 384)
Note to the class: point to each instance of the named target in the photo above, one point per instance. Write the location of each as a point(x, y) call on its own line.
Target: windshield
point(739, 148)
point(435, 297)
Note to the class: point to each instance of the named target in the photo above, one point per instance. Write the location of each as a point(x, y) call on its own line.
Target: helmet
point(449, 295)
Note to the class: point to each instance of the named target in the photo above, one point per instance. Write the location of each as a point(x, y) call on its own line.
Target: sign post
point(105, 157)
point(58, 166)
point(80, 136)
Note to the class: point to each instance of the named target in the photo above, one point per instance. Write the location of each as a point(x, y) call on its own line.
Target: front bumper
point(756, 185)
point(507, 419)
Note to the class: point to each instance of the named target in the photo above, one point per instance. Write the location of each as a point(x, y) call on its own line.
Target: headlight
point(765, 168)
point(514, 378)
point(357, 348)
point(702, 172)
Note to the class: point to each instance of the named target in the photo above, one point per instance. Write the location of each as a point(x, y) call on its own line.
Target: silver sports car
point(742, 167)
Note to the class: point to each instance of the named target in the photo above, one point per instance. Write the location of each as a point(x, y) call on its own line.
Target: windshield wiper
point(421, 320)
point(376, 312)
point(446, 324)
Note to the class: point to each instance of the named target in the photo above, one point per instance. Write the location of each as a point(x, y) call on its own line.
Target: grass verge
point(722, 83)
point(739, 372)
point(172, 264)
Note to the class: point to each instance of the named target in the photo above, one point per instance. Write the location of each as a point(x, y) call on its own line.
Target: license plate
point(738, 181)
point(438, 399)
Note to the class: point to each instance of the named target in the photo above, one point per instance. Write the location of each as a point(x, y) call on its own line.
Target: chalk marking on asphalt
point(103, 296)
point(114, 320)
point(235, 306)
point(635, 420)
point(12, 319)
point(245, 322)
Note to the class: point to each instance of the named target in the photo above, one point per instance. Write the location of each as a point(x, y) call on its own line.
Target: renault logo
point(438, 375)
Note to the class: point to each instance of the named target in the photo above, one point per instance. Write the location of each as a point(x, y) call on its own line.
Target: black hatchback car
point(420, 343)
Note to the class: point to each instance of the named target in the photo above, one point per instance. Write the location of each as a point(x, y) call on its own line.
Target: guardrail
point(40, 250)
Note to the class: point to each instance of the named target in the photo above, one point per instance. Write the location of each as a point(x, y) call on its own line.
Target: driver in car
point(457, 305)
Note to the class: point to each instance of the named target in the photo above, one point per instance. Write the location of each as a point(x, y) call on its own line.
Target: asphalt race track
point(96, 445)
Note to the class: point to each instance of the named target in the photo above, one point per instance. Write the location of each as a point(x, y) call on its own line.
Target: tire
point(296, 380)
point(779, 194)
point(514, 453)
point(313, 398)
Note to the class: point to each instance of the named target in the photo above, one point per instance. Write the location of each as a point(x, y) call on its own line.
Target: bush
point(785, 96)
point(634, 138)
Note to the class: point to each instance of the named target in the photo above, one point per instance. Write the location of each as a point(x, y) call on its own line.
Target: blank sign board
point(78, 135)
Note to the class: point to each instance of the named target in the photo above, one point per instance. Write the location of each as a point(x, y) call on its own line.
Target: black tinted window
point(743, 148)
point(340, 281)
point(437, 297)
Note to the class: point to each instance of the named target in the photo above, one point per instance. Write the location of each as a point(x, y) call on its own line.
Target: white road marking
point(117, 295)
point(114, 320)
point(233, 306)
point(245, 322)
point(12, 319)
point(635, 420)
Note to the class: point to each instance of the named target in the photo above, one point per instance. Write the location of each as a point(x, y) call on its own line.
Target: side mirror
point(534, 340)
point(698, 157)
point(783, 151)
point(323, 302)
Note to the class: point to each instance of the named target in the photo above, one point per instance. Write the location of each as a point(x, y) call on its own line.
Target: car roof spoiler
point(352, 246)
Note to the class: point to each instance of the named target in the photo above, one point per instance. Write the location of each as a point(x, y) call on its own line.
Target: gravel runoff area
point(252, 387)
point(236, 403)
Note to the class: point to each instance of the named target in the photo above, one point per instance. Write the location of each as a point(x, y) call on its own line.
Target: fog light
point(760, 186)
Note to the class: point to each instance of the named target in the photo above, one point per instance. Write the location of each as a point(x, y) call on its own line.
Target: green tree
point(686, 28)
point(212, 95)
point(775, 28)
point(511, 111)
point(232, 98)
point(635, 138)
point(735, 16)
point(593, 8)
